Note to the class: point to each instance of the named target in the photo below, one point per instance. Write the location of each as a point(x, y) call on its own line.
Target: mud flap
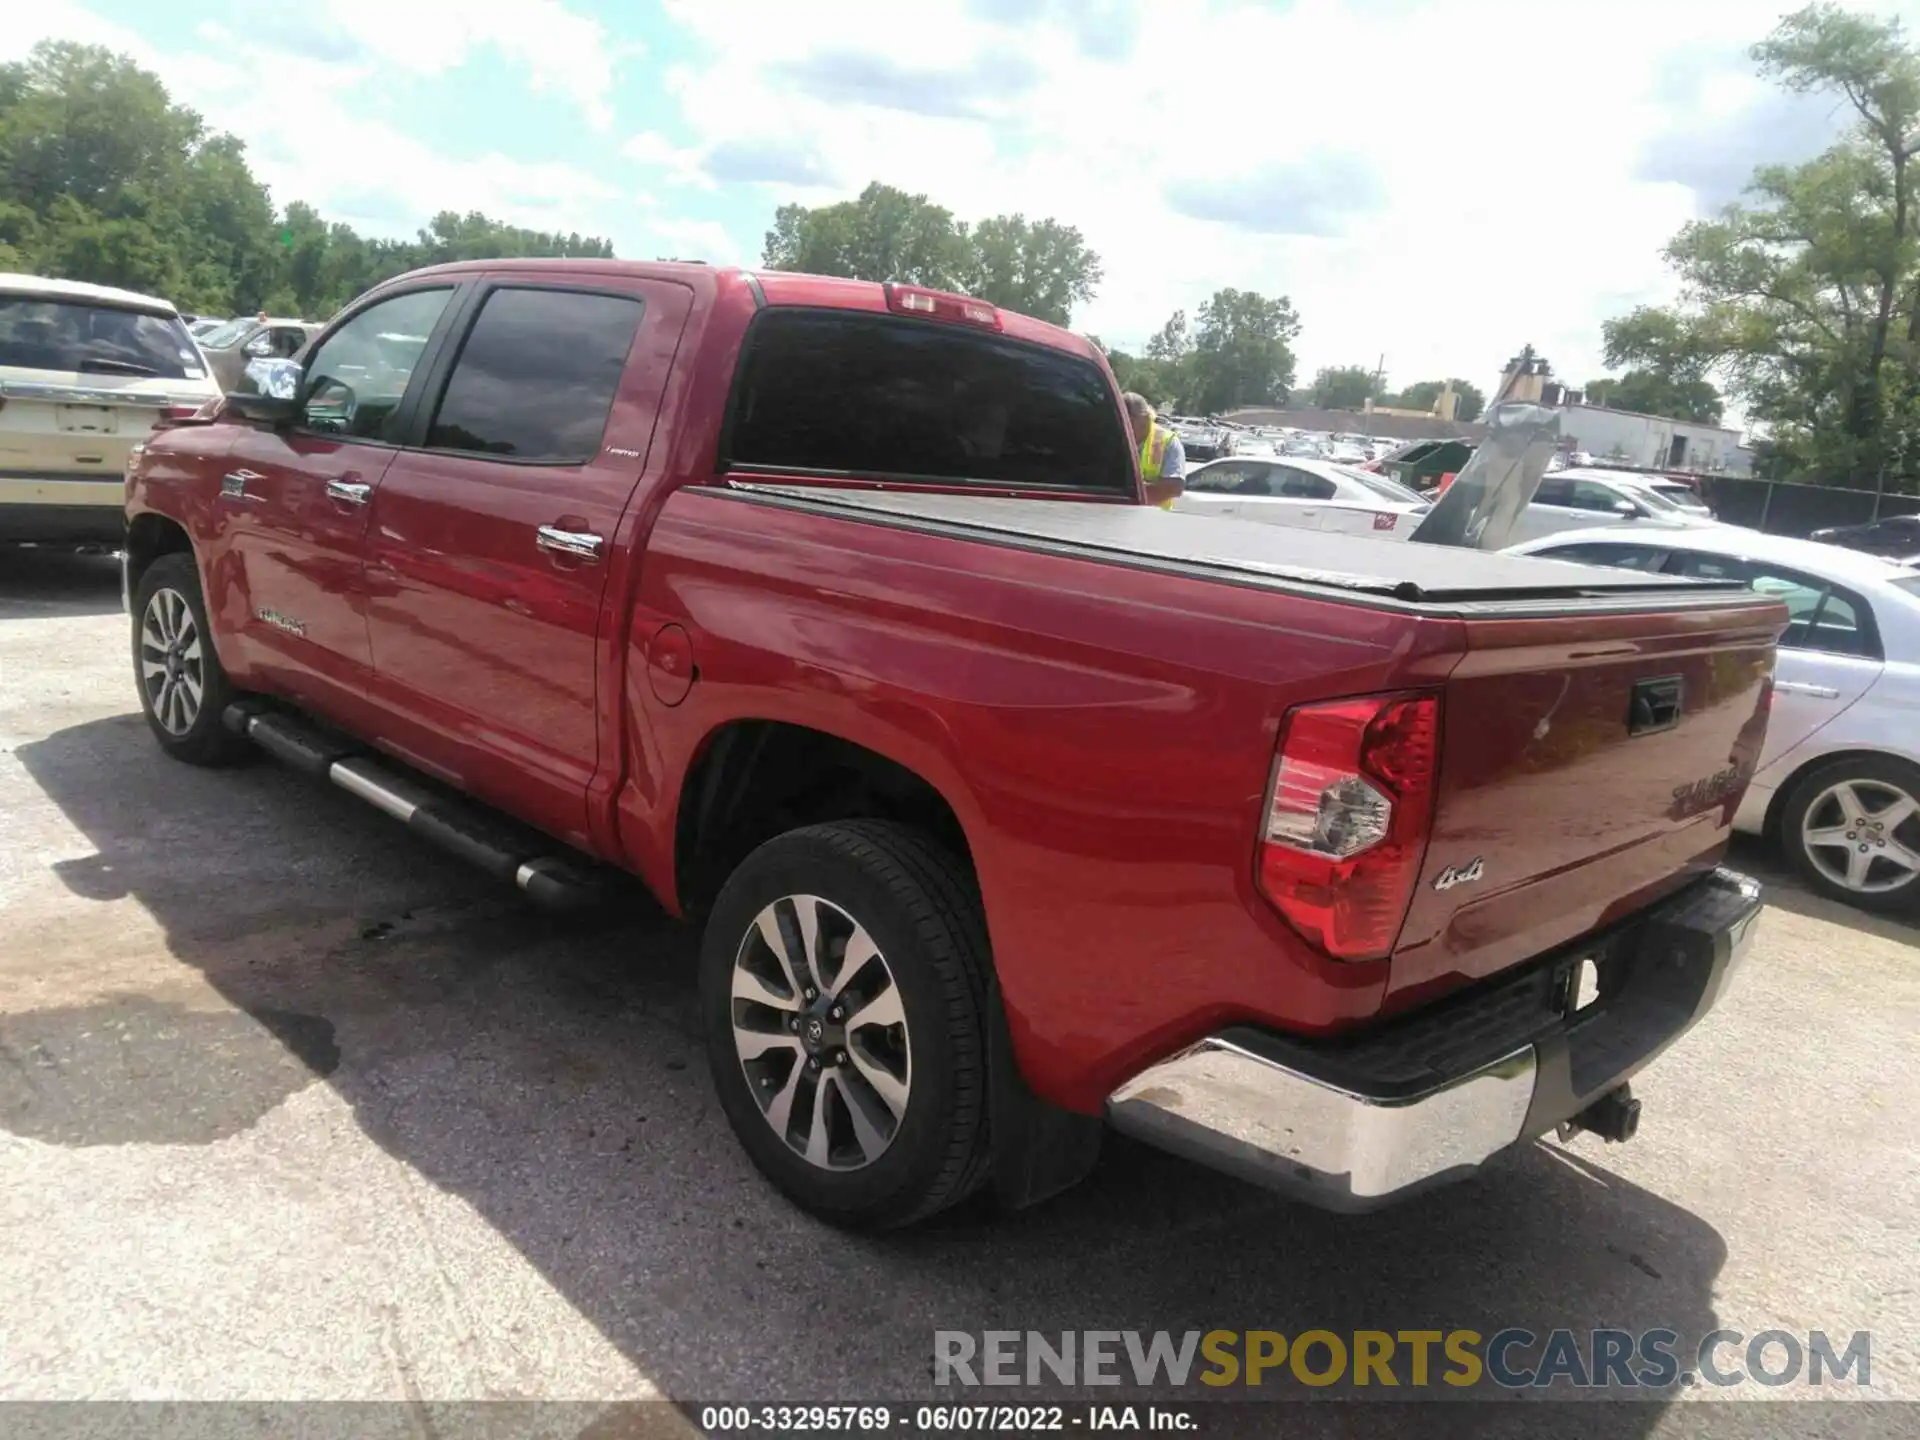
point(1038, 1148)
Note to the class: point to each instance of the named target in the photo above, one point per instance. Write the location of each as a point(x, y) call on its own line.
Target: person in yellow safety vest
point(1163, 461)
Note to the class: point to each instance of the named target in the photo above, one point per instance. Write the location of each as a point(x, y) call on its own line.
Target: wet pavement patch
point(133, 1071)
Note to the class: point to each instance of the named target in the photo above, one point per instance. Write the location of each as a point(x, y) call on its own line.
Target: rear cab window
point(88, 338)
point(847, 393)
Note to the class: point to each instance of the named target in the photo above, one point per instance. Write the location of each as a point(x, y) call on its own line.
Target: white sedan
point(1307, 494)
point(1838, 783)
point(1576, 499)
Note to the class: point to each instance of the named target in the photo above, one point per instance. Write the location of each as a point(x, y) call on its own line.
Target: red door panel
point(488, 577)
point(296, 507)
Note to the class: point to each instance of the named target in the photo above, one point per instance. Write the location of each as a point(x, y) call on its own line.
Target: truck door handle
point(577, 543)
point(233, 484)
point(1801, 687)
point(349, 492)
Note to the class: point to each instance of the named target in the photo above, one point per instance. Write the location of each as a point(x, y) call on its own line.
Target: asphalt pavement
point(295, 1108)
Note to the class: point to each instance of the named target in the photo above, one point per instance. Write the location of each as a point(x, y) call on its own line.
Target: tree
point(1171, 341)
point(1469, 399)
point(104, 178)
point(1343, 387)
point(886, 234)
point(1243, 352)
point(1806, 297)
point(1649, 392)
point(1040, 267)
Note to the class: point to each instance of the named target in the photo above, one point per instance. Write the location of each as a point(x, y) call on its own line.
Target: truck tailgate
point(1588, 766)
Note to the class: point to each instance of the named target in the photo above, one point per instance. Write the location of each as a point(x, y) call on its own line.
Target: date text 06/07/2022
point(940, 1418)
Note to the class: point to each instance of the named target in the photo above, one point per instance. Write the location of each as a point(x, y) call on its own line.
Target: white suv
point(85, 372)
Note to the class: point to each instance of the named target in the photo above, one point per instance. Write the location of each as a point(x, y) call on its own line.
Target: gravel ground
point(294, 1108)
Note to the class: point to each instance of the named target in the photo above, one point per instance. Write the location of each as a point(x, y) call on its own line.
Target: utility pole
point(1379, 374)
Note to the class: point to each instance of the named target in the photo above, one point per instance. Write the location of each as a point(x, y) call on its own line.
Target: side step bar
point(547, 879)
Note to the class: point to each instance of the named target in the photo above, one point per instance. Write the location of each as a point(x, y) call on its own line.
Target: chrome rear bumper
point(1351, 1125)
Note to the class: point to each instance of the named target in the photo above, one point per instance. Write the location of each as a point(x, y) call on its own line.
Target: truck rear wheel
point(1852, 830)
point(843, 992)
point(183, 689)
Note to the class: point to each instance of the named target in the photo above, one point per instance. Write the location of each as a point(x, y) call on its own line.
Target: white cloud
point(677, 164)
point(561, 49)
point(1438, 183)
point(328, 148)
point(674, 238)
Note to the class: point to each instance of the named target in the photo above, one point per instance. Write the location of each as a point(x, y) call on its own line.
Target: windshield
point(74, 336)
point(1653, 498)
point(1381, 485)
point(227, 335)
point(1681, 498)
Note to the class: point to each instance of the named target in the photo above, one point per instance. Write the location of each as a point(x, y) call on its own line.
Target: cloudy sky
point(1435, 181)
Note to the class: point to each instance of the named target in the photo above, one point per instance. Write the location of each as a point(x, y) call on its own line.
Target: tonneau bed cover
point(1425, 577)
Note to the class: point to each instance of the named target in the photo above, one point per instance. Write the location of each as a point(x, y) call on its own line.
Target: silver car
point(1838, 783)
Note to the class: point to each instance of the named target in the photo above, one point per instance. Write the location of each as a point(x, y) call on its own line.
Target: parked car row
point(1323, 495)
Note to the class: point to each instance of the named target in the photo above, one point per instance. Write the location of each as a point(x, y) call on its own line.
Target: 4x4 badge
point(1460, 874)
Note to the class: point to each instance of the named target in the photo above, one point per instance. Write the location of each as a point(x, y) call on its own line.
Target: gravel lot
point(292, 1107)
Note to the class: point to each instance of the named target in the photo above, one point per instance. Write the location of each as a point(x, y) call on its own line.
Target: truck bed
point(1431, 579)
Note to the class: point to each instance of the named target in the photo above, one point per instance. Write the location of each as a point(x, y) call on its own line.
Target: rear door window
point(536, 377)
point(1820, 615)
point(844, 393)
point(79, 338)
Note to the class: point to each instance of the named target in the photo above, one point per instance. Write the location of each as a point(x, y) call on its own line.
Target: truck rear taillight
point(941, 305)
point(1348, 817)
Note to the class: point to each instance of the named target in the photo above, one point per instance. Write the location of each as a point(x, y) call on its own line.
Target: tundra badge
point(1460, 874)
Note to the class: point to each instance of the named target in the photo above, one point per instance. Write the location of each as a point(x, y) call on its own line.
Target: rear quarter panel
point(1104, 735)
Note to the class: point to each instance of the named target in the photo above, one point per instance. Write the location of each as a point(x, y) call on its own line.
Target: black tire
point(204, 740)
point(918, 903)
point(1880, 776)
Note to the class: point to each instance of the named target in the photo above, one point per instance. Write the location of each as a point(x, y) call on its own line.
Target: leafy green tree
point(104, 178)
point(1042, 268)
point(1344, 387)
point(1037, 267)
point(1243, 352)
point(1805, 297)
point(1469, 399)
point(885, 234)
point(1650, 392)
point(1171, 341)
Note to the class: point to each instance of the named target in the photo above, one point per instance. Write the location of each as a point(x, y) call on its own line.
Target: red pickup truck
point(1013, 805)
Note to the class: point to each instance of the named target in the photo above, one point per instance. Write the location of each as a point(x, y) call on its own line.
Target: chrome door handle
point(1801, 687)
point(233, 484)
point(348, 492)
point(577, 543)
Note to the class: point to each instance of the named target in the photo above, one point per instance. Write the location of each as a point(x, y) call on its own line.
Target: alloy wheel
point(172, 669)
point(820, 1032)
point(1864, 835)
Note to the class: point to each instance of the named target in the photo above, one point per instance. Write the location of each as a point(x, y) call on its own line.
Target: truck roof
point(1390, 572)
point(768, 287)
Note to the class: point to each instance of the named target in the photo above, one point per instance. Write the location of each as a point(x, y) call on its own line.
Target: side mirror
point(1626, 508)
point(259, 347)
point(269, 390)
